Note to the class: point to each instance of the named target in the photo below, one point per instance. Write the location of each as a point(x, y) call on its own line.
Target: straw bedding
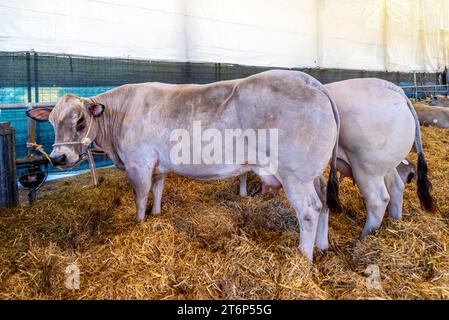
point(209, 243)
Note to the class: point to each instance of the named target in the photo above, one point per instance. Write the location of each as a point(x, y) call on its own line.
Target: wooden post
point(9, 194)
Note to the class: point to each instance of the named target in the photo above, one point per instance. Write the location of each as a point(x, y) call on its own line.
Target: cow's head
point(439, 100)
point(73, 119)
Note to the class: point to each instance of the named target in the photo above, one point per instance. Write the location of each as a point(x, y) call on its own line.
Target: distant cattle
point(440, 101)
point(432, 116)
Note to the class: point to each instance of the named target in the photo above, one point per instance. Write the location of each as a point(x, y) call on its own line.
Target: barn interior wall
point(45, 77)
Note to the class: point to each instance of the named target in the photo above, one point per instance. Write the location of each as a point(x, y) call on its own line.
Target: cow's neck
point(109, 126)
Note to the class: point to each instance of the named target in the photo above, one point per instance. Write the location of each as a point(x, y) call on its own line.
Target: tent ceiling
point(393, 35)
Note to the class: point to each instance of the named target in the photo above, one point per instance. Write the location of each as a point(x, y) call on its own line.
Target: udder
point(270, 182)
point(345, 170)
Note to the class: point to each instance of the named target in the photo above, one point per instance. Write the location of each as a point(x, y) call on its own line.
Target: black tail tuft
point(333, 201)
point(424, 185)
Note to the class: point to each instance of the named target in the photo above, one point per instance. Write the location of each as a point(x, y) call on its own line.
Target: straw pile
point(209, 243)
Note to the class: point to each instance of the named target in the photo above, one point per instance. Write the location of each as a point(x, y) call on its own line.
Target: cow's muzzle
point(59, 160)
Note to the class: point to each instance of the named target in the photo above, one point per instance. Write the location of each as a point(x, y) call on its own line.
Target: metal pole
point(28, 60)
point(93, 169)
point(415, 85)
point(9, 194)
point(31, 134)
point(10, 106)
point(447, 79)
point(36, 78)
point(31, 122)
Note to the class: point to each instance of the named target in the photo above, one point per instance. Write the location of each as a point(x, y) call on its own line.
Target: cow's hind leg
point(304, 199)
point(322, 234)
point(157, 189)
point(140, 178)
point(395, 188)
point(376, 198)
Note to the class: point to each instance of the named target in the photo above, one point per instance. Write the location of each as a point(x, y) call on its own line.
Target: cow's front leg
point(157, 188)
point(140, 178)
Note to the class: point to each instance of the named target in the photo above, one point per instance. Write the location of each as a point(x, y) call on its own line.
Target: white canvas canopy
point(393, 35)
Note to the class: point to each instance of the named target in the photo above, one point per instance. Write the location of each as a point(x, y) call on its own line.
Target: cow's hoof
point(139, 218)
point(367, 232)
point(307, 254)
point(395, 216)
point(322, 248)
point(155, 213)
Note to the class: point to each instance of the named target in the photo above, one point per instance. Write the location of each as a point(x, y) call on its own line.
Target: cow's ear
point(39, 114)
point(95, 109)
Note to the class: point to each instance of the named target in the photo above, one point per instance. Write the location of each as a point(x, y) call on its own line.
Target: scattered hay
point(211, 244)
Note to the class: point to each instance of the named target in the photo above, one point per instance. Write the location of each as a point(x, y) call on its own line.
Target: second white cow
point(378, 128)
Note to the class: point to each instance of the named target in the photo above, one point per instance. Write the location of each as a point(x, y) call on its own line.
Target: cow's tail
point(423, 184)
point(333, 201)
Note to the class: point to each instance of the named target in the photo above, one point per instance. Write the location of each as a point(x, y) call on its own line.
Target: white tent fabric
point(267, 33)
point(403, 36)
point(351, 34)
point(142, 29)
point(393, 35)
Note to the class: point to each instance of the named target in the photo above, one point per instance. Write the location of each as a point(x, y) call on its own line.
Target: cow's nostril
point(59, 159)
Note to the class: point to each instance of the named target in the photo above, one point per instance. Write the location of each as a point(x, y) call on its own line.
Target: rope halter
point(86, 141)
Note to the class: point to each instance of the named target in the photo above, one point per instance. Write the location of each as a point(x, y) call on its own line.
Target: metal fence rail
point(426, 90)
point(44, 77)
point(15, 106)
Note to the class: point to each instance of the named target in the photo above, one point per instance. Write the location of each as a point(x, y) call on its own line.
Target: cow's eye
point(80, 124)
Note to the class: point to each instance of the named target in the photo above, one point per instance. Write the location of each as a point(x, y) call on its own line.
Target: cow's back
point(290, 102)
point(295, 105)
point(274, 98)
point(375, 119)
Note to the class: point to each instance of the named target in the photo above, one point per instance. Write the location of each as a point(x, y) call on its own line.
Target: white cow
point(134, 125)
point(378, 128)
